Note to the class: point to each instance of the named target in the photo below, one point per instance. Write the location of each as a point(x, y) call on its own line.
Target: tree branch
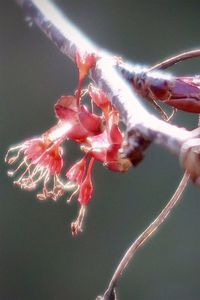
point(142, 127)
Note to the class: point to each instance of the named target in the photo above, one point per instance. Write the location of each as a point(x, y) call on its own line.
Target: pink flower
point(106, 146)
point(80, 173)
point(85, 188)
point(41, 161)
point(85, 61)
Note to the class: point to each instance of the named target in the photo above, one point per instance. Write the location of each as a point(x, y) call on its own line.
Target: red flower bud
point(85, 61)
point(98, 97)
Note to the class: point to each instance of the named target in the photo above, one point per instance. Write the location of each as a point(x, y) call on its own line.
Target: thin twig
point(145, 235)
point(57, 27)
point(175, 59)
point(128, 70)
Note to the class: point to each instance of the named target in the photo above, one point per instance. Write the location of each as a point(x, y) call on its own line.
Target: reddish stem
point(174, 60)
point(78, 92)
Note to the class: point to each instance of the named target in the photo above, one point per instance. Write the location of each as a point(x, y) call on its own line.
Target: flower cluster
point(40, 160)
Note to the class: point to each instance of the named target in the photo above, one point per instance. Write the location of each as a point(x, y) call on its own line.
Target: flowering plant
point(99, 136)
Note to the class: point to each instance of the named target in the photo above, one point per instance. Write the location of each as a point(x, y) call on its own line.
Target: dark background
point(39, 260)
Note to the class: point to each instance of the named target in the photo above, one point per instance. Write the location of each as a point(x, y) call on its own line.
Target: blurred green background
point(38, 257)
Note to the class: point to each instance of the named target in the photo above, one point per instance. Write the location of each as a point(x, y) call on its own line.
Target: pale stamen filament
point(12, 172)
point(13, 149)
point(67, 186)
point(72, 195)
point(26, 170)
point(41, 175)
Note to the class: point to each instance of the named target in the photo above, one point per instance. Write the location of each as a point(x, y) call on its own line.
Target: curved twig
point(145, 235)
point(174, 60)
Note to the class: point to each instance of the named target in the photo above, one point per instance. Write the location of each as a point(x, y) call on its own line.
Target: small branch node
point(110, 294)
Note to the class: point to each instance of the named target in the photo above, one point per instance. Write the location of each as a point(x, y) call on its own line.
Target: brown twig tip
point(190, 159)
point(110, 294)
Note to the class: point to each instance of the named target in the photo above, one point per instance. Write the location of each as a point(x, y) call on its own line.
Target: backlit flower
point(40, 160)
point(85, 190)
